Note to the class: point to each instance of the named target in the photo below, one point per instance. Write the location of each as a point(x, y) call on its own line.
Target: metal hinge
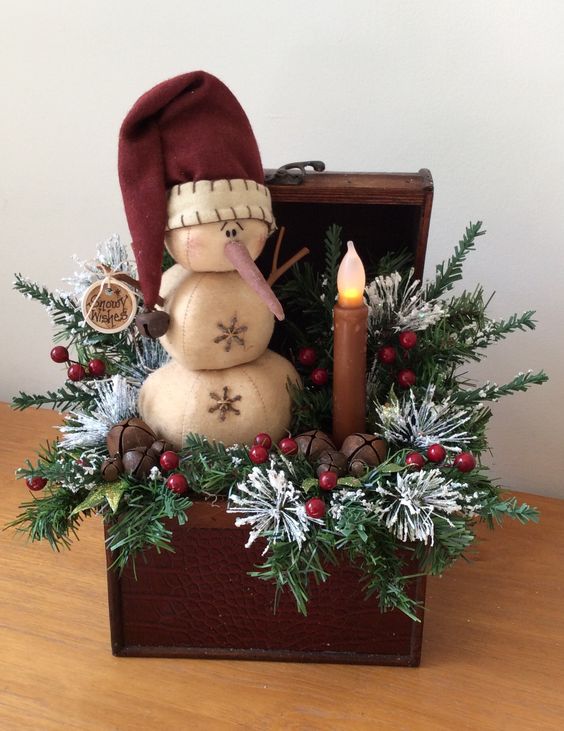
point(293, 173)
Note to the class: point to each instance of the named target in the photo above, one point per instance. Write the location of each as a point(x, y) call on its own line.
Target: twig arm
point(276, 272)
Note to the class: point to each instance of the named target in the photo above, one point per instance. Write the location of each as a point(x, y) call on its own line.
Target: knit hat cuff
point(209, 201)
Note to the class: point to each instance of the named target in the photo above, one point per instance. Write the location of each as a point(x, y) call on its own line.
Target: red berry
point(406, 378)
point(436, 453)
point(415, 460)
point(169, 461)
point(315, 507)
point(36, 483)
point(177, 483)
point(258, 454)
point(328, 480)
point(264, 440)
point(307, 356)
point(408, 339)
point(97, 367)
point(76, 372)
point(386, 354)
point(288, 446)
point(465, 462)
point(319, 376)
point(59, 354)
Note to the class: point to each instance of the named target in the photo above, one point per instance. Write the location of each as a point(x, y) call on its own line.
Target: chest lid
point(380, 212)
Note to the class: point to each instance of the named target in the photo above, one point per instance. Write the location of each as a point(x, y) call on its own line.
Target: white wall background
point(472, 90)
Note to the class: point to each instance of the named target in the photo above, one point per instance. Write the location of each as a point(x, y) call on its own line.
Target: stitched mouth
point(239, 256)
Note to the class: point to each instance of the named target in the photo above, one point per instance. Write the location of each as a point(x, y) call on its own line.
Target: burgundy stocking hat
point(187, 156)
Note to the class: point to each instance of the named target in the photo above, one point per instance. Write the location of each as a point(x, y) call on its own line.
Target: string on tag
point(123, 277)
point(105, 283)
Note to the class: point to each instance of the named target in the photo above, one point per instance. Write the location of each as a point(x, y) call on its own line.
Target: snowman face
point(201, 248)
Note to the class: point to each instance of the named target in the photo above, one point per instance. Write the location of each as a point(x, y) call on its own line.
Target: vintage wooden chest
point(200, 600)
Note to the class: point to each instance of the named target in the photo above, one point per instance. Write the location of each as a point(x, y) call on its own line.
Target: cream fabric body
point(175, 401)
point(216, 320)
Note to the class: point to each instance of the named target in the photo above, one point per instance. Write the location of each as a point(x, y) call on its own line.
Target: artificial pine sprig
point(211, 468)
point(49, 518)
point(450, 272)
point(138, 524)
point(310, 406)
point(70, 395)
point(493, 392)
point(309, 297)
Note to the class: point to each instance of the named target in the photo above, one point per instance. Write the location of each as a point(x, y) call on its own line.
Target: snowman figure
point(192, 179)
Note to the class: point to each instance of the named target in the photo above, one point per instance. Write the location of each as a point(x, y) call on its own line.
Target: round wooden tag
point(109, 306)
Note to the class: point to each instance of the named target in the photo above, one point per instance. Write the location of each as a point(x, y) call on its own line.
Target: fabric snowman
point(192, 179)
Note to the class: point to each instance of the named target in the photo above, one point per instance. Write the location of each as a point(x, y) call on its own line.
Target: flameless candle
point(350, 319)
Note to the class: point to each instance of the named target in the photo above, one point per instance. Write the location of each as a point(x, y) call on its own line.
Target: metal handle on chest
point(293, 173)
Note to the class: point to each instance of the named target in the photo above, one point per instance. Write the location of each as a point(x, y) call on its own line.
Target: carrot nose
point(239, 256)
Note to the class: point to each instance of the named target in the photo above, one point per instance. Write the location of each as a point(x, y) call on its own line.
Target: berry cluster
point(388, 355)
point(176, 482)
point(96, 367)
point(258, 453)
point(436, 453)
point(308, 357)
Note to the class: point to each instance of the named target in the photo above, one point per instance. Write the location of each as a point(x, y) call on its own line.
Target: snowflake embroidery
point(224, 404)
point(231, 334)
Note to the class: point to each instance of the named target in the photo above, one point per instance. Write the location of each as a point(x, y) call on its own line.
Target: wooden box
point(380, 212)
point(200, 600)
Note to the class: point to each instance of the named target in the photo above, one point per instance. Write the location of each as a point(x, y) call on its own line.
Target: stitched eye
point(233, 232)
point(228, 233)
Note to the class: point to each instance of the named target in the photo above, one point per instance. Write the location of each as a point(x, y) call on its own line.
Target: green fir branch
point(138, 523)
point(309, 298)
point(311, 406)
point(333, 249)
point(493, 392)
point(495, 510)
point(453, 537)
point(375, 551)
point(41, 294)
point(499, 330)
point(49, 518)
point(68, 397)
point(392, 261)
point(292, 567)
point(450, 272)
point(47, 465)
point(210, 467)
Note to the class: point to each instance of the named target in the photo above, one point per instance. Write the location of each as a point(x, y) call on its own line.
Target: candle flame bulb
point(351, 279)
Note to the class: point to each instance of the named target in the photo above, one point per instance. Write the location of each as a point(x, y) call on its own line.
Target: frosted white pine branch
point(111, 253)
point(398, 305)
point(408, 506)
point(407, 423)
point(115, 400)
point(149, 356)
point(271, 505)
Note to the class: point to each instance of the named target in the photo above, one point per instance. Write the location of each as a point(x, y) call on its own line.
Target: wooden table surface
point(493, 653)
